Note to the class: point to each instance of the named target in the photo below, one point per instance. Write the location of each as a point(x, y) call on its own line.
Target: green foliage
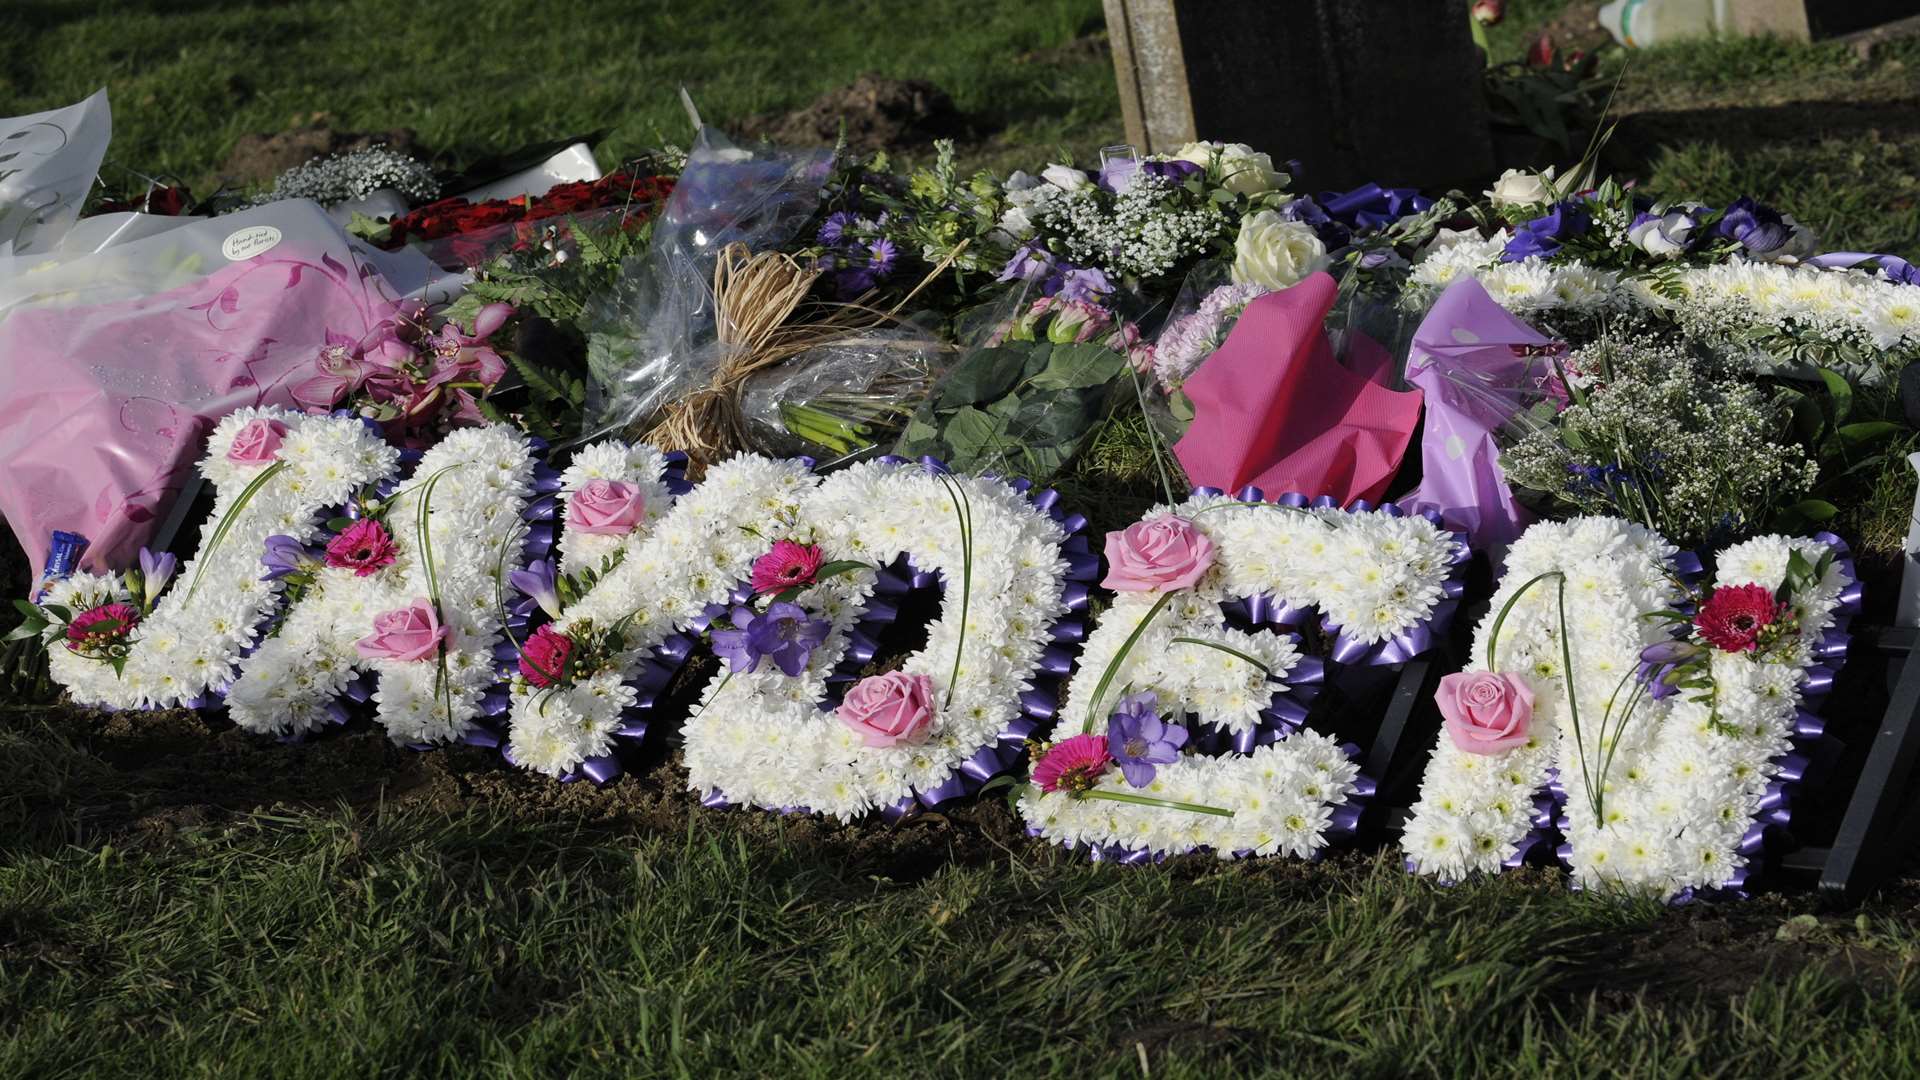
point(1023, 408)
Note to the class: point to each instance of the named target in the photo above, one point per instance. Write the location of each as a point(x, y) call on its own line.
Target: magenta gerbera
point(787, 566)
point(364, 548)
point(1073, 765)
point(96, 631)
point(1734, 617)
point(544, 658)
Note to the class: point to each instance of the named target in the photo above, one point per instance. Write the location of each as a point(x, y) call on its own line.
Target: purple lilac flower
point(155, 571)
point(1544, 235)
point(539, 582)
point(784, 632)
point(1139, 740)
point(284, 556)
point(1759, 228)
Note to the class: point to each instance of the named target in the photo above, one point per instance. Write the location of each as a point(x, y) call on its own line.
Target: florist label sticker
point(247, 243)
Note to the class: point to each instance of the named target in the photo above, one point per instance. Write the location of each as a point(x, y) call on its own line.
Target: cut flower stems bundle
point(550, 505)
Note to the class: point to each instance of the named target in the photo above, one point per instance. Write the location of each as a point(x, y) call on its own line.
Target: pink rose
point(891, 708)
point(1486, 713)
point(409, 633)
point(257, 443)
point(1157, 555)
point(606, 506)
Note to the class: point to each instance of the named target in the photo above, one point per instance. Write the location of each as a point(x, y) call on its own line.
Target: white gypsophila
point(763, 738)
point(1282, 796)
point(1474, 810)
point(638, 465)
point(210, 615)
point(695, 556)
point(484, 482)
point(1680, 799)
point(339, 178)
point(1374, 574)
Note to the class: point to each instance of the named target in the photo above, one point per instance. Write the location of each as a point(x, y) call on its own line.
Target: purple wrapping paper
point(1479, 367)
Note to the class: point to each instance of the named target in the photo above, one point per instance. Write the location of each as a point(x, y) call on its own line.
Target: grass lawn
point(178, 899)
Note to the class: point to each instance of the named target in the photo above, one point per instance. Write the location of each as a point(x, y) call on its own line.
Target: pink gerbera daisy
point(1073, 765)
point(787, 566)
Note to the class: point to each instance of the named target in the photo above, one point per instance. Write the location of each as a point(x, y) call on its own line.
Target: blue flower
point(1759, 228)
point(1139, 740)
point(784, 633)
point(285, 556)
point(1544, 235)
point(1089, 285)
point(539, 582)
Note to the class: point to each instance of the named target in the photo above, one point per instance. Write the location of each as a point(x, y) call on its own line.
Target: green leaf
point(25, 631)
point(1075, 367)
point(1814, 509)
point(985, 375)
point(1182, 406)
point(339, 524)
point(1867, 431)
point(25, 608)
point(58, 611)
point(972, 433)
point(1840, 391)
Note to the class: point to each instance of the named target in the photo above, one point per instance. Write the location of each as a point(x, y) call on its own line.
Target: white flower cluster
point(1527, 286)
point(1282, 796)
point(342, 178)
point(1474, 810)
point(485, 476)
point(640, 465)
point(210, 616)
point(1836, 305)
point(692, 557)
point(1142, 232)
point(1380, 573)
point(1371, 574)
point(1682, 791)
point(764, 739)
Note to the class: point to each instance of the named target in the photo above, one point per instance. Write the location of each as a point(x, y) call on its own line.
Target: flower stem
point(1148, 800)
point(1106, 677)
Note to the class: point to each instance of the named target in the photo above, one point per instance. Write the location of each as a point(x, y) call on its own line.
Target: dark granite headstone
point(1385, 90)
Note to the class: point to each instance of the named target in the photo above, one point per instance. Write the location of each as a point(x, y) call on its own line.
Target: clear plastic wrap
point(653, 338)
point(848, 399)
point(113, 363)
point(48, 162)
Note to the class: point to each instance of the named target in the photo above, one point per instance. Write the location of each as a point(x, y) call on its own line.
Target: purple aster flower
point(880, 256)
point(1759, 228)
point(1139, 740)
point(284, 556)
point(835, 227)
point(1088, 285)
point(1030, 263)
point(539, 582)
point(784, 632)
point(155, 571)
point(1544, 235)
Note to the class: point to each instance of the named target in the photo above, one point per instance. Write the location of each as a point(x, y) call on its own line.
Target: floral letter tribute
point(1195, 656)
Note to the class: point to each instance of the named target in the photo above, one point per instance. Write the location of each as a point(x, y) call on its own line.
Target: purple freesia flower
point(1544, 235)
point(784, 633)
point(1658, 662)
point(1139, 740)
point(284, 556)
point(155, 571)
point(539, 582)
point(1759, 228)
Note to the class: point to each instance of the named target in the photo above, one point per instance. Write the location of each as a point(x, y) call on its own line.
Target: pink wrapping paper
point(1479, 366)
point(1273, 408)
point(103, 408)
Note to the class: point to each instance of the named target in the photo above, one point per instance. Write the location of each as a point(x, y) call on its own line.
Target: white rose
point(1065, 177)
point(1016, 224)
point(1245, 171)
point(1517, 188)
point(1273, 252)
point(1664, 237)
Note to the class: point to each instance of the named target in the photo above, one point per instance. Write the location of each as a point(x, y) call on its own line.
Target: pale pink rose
point(1486, 713)
point(1159, 554)
point(889, 709)
point(409, 633)
point(257, 443)
point(606, 506)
